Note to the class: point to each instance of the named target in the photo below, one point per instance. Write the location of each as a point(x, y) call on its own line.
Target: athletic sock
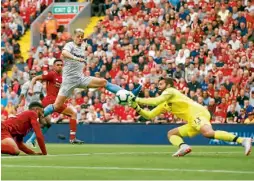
point(137, 90)
point(225, 136)
point(73, 129)
point(48, 110)
point(44, 129)
point(8, 149)
point(176, 140)
point(33, 136)
point(113, 87)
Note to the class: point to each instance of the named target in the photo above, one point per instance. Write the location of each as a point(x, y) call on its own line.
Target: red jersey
point(25, 16)
point(54, 81)
point(21, 124)
point(57, 54)
point(98, 106)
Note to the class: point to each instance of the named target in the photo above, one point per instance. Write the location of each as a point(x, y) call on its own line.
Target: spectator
point(6, 59)
point(190, 72)
point(250, 119)
point(212, 107)
point(234, 42)
point(4, 113)
point(107, 106)
point(13, 98)
point(242, 116)
point(49, 26)
point(193, 85)
point(181, 57)
point(97, 7)
point(219, 117)
point(4, 99)
point(252, 97)
point(10, 108)
point(241, 98)
point(179, 73)
point(92, 115)
point(232, 116)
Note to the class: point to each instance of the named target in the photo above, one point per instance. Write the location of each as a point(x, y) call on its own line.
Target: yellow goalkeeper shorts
point(192, 128)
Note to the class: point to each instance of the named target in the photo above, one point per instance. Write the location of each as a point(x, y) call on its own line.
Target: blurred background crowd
point(206, 45)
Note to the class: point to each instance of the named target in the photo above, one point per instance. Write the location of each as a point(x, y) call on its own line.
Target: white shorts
point(67, 88)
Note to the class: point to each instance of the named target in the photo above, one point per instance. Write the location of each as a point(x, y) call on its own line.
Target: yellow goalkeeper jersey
point(172, 100)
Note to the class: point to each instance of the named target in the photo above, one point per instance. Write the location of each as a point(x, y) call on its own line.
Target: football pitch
point(130, 162)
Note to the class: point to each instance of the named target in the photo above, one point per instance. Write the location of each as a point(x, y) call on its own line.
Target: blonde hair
point(78, 30)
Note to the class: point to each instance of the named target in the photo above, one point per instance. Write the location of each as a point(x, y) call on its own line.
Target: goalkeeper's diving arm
point(150, 114)
point(153, 101)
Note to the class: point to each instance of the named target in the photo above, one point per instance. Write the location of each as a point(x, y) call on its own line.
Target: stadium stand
point(206, 45)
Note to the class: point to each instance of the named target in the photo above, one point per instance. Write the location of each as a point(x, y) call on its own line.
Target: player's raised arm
point(24, 91)
point(33, 81)
point(68, 55)
point(166, 94)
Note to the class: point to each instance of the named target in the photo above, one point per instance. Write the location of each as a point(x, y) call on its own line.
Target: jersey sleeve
point(48, 76)
point(37, 130)
point(167, 94)
point(153, 113)
point(68, 47)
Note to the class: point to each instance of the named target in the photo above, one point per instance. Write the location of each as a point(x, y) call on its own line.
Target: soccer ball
point(122, 97)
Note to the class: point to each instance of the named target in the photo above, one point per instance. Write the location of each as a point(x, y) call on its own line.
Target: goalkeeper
point(197, 117)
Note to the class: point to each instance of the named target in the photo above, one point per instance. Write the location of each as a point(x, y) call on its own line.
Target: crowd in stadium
point(207, 46)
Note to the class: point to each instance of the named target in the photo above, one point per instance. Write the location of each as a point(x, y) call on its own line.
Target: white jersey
point(73, 69)
point(37, 91)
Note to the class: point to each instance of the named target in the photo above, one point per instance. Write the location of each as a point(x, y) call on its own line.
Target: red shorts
point(51, 100)
point(5, 133)
point(48, 100)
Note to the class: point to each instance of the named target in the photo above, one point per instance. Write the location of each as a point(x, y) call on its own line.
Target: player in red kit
point(14, 129)
point(54, 81)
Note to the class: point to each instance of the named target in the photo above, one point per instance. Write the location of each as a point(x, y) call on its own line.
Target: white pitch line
point(115, 153)
point(133, 169)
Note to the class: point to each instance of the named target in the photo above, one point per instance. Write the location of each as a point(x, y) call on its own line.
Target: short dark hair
point(35, 104)
point(57, 60)
point(168, 80)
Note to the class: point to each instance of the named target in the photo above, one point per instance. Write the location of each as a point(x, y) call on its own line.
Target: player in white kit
point(74, 58)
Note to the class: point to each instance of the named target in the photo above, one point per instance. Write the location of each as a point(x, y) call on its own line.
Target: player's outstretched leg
point(58, 106)
point(48, 110)
point(208, 132)
point(175, 139)
point(73, 125)
point(8, 146)
point(100, 82)
point(115, 88)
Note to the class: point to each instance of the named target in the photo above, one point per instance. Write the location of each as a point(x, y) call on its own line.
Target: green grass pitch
point(130, 162)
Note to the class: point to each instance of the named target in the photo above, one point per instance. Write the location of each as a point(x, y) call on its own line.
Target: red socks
point(73, 129)
point(8, 149)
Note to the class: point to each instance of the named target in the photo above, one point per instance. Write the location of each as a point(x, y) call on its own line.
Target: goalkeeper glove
point(134, 105)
